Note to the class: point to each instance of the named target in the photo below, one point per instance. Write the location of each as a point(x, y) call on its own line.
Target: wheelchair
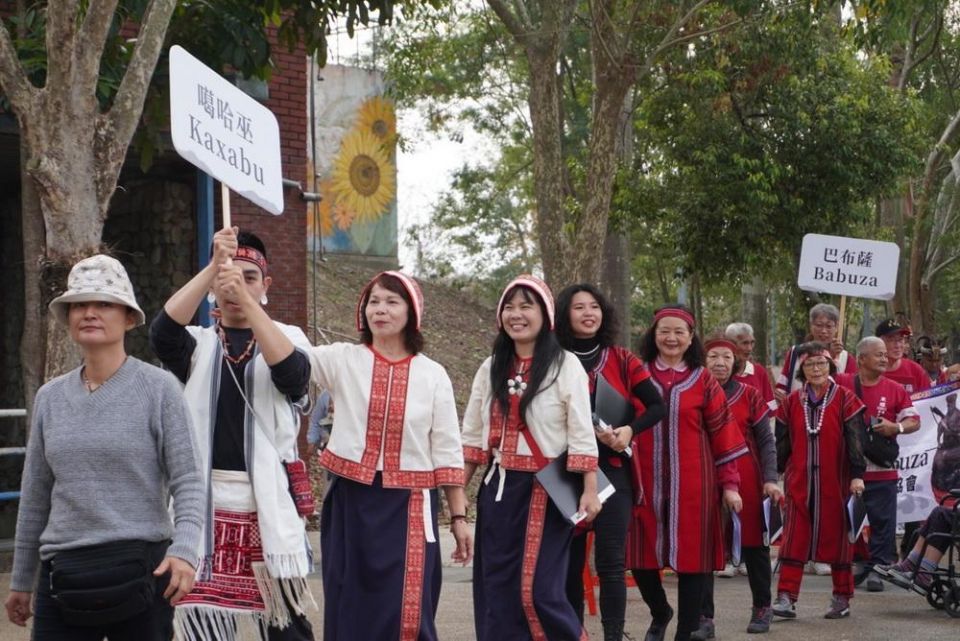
point(944, 593)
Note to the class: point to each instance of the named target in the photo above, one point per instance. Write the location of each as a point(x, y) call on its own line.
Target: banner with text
point(929, 462)
point(848, 266)
point(225, 132)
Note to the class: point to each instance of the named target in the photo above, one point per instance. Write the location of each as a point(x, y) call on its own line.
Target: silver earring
point(263, 299)
point(211, 298)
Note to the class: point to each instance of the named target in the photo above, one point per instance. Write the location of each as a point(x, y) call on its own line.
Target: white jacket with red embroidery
point(397, 417)
point(559, 421)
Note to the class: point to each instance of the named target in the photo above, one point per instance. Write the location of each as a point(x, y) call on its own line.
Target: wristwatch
point(900, 428)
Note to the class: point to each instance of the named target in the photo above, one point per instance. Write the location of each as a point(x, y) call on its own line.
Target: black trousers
point(154, 624)
point(609, 544)
point(759, 574)
point(689, 598)
point(880, 499)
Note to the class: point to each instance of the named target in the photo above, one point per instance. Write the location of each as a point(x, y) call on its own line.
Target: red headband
point(825, 353)
point(251, 255)
point(720, 342)
point(675, 313)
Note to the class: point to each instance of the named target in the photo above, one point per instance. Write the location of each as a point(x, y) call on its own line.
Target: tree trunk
point(753, 310)
point(616, 279)
point(32, 339)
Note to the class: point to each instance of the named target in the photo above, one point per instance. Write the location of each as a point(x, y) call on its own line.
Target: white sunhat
point(98, 278)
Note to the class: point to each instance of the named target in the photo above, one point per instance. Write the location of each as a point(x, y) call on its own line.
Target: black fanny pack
point(105, 584)
point(879, 449)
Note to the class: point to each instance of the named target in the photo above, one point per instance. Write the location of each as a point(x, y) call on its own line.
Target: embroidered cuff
point(581, 463)
point(449, 476)
point(474, 455)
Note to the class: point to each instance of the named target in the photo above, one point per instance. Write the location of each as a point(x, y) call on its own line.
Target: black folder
point(566, 487)
point(856, 517)
point(611, 407)
point(772, 521)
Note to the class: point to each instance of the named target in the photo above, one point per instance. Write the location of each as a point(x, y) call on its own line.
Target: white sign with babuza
point(225, 132)
point(848, 266)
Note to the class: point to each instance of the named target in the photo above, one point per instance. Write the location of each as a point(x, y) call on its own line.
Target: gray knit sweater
point(101, 466)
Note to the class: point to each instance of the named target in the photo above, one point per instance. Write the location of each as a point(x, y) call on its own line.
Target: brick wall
point(285, 235)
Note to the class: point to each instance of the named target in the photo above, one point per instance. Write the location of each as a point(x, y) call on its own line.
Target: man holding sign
point(244, 380)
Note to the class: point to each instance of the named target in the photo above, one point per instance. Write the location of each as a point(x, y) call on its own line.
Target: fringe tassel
point(276, 610)
point(203, 623)
point(287, 566)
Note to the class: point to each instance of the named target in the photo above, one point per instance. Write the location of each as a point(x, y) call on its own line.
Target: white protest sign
point(929, 462)
point(225, 132)
point(848, 266)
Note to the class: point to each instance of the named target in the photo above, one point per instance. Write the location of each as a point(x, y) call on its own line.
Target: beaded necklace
point(244, 355)
point(817, 408)
point(517, 384)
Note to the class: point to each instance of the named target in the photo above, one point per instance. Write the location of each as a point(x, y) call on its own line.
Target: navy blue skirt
point(520, 564)
point(381, 578)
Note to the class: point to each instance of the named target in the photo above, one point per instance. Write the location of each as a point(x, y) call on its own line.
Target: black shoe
point(613, 631)
point(874, 583)
point(658, 627)
point(706, 631)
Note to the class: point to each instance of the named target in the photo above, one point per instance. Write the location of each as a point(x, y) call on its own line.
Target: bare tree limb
point(119, 124)
point(61, 45)
point(92, 40)
point(13, 79)
point(517, 29)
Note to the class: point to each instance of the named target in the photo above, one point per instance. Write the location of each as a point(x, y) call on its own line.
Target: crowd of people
point(116, 442)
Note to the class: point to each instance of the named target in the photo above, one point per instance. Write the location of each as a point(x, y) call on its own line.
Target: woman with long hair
point(758, 479)
point(529, 404)
point(819, 451)
point(395, 440)
point(587, 326)
point(686, 466)
point(110, 444)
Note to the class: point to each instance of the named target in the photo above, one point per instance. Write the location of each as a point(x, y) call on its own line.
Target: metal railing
point(12, 451)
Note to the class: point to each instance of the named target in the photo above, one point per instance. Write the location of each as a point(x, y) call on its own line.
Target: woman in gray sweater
point(110, 444)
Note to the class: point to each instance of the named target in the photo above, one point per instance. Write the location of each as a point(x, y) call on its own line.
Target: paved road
point(891, 615)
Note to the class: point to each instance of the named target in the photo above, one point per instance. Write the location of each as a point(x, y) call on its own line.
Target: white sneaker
point(728, 571)
point(821, 569)
point(742, 569)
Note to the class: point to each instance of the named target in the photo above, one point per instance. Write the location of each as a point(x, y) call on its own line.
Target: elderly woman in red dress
point(758, 479)
point(819, 428)
point(684, 463)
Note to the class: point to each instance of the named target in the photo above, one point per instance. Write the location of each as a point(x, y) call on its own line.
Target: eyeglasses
point(816, 364)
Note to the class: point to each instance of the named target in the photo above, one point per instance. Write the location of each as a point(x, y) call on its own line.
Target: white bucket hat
point(98, 278)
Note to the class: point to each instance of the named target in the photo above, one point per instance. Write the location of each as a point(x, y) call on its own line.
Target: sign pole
point(841, 326)
point(225, 205)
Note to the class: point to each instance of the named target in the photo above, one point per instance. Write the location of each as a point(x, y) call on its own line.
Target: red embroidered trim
point(476, 455)
point(347, 468)
point(396, 410)
point(449, 476)
point(531, 551)
point(581, 463)
point(403, 479)
point(376, 412)
point(519, 462)
point(413, 572)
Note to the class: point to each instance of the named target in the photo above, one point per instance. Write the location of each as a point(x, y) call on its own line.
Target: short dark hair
point(609, 325)
point(249, 239)
point(811, 348)
point(693, 357)
point(412, 338)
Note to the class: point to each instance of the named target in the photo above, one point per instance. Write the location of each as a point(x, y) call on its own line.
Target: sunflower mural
point(356, 164)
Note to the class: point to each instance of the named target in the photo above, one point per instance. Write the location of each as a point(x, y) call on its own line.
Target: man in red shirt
point(902, 370)
point(889, 413)
point(751, 373)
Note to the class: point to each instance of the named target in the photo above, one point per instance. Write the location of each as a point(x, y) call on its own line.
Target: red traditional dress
point(678, 523)
point(818, 448)
point(749, 411)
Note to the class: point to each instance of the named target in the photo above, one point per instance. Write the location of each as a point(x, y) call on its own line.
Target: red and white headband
point(252, 255)
point(409, 284)
point(720, 342)
point(675, 312)
point(533, 283)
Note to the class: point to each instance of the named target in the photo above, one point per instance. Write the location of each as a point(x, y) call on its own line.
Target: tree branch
point(92, 40)
point(61, 45)
point(116, 127)
point(13, 80)
point(510, 21)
